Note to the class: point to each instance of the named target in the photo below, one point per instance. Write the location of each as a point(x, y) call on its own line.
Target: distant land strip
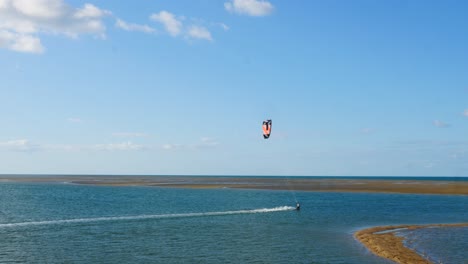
point(383, 242)
point(267, 183)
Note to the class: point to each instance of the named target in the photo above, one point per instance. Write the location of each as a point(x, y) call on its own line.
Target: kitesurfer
point(266, 128)
point(298, 206)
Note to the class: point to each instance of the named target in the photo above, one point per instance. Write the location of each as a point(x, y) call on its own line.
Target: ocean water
point(67, 223)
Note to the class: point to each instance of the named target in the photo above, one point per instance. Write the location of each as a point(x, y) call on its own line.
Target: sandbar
point(319, 184)
point(383, 242)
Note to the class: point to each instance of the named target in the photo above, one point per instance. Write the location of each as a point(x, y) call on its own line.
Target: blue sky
point(181, 87)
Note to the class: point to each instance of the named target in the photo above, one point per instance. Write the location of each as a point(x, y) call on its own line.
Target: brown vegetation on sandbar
point(268, 183)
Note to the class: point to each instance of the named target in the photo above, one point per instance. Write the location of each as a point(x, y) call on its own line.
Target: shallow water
point(57, 223)
point(439, 244)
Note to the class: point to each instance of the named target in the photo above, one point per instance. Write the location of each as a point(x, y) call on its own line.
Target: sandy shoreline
point(280, 183)
point(383, 242)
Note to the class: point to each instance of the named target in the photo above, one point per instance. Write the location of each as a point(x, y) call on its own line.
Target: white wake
point(142, 217)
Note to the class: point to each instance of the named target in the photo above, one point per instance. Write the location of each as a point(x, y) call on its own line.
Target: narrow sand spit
point(383, 242)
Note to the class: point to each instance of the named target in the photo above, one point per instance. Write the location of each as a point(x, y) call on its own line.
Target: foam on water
point(142, 217)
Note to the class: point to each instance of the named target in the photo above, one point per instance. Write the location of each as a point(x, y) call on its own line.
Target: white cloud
point(134, 27)
point(224, 26)
point(465, 113)
point(440, 124)
point(249, 7)
point(74, 120)
point(122, 146)
point(434, 143)
point(21, 42)
point(39, 8)
point(203, 143)
point(199, 33)
point(19, 145)
point(25, 145)
point(367, 130)
point(172, 25)
point(207, 142)
point(129, 134)
point(62, 147)
point(22, 21)
point(171, 146)
point(119, 146)
point(91, 11)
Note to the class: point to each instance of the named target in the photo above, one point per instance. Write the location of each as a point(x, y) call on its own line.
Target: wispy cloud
point(249, 7)
point(118, 146)
point(171, 23)
point(25, 145)
point(203, 143)
point(19, 145)
point(199, 32)
point(206, 142)
point(171, 146)
point(224, 26)
point(129, 134)
point(440, 124)
point(465, 113)
point(20, 42)
point(174, 26)
point(74, 120)
point(22, 21)
point(433, 143)
point(88, 11)
point(133, 27)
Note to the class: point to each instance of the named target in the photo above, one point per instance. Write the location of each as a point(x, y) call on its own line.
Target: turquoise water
point(58, 223)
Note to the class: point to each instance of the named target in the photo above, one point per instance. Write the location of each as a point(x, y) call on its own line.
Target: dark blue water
point(62, 223)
